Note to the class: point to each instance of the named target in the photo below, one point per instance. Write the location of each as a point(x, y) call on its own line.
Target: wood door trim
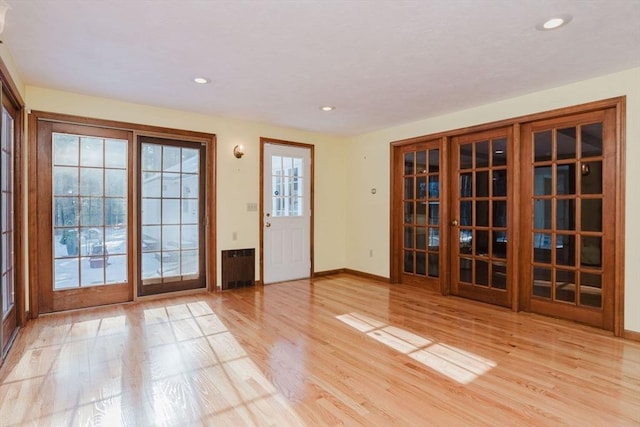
point(37, 185)
point(396, 246)
point(147, 130)
point(72, 299)
point(210, 215)
point(33, 228)
point(311, 149)
point(619, 231)
point(543, 115)
point(513, 233)
point(445, 236)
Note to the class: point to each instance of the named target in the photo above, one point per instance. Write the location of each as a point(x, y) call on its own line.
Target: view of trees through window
point(89, 211)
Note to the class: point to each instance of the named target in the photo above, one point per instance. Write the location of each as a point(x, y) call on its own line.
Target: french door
point(421, 212)
point(534, 212)
point(8, 285)
point(481, 219)
point(568, 240)
point(172, 220)
point(83, 236)
point(287, 178)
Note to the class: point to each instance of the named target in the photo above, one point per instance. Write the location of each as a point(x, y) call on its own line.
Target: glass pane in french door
point(421, 206)
point(89, 211)
point(171, 214)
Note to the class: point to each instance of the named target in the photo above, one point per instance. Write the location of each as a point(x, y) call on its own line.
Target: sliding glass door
point(171, 232)
point(96, 247)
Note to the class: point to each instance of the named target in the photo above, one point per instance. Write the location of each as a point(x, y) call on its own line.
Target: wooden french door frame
point(518, 302)
point(311, 148)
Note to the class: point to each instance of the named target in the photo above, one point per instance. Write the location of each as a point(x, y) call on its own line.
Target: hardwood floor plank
point(332, 351)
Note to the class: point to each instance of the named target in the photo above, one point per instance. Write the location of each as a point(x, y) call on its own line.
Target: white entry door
point(287, 212)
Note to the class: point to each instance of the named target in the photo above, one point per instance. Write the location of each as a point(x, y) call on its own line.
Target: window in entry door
point(287, 178)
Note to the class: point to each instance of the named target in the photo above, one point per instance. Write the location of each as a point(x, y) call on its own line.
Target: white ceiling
point(380, 62)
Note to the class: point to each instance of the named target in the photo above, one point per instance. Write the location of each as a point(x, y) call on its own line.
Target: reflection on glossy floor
point(334, 351)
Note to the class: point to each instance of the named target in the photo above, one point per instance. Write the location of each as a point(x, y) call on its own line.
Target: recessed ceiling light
point(553, 23)
point(327, 108)
point(201, 80)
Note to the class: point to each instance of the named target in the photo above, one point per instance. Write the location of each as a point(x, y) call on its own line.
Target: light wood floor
point(334, 351)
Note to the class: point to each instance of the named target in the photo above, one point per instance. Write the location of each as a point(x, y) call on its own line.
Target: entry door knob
point(268, 224)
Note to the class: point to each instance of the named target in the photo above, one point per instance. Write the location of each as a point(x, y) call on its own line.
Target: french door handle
point(454, 222)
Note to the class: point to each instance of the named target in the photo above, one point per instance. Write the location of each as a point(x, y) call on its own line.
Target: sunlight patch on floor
point(183, 367)
point(210, 365)
point(459, 365)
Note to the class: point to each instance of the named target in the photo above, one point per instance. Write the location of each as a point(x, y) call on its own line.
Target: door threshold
point(170, 294)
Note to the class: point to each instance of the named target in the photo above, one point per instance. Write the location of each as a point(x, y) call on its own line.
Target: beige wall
point(369, 157)
point(238, 180)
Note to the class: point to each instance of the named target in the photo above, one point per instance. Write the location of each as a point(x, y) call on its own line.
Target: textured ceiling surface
point(379, 62)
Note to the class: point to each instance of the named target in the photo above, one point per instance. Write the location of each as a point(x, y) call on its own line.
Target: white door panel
point(287, 212)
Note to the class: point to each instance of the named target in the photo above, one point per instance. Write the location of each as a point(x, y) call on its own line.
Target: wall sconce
point(238, 151)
